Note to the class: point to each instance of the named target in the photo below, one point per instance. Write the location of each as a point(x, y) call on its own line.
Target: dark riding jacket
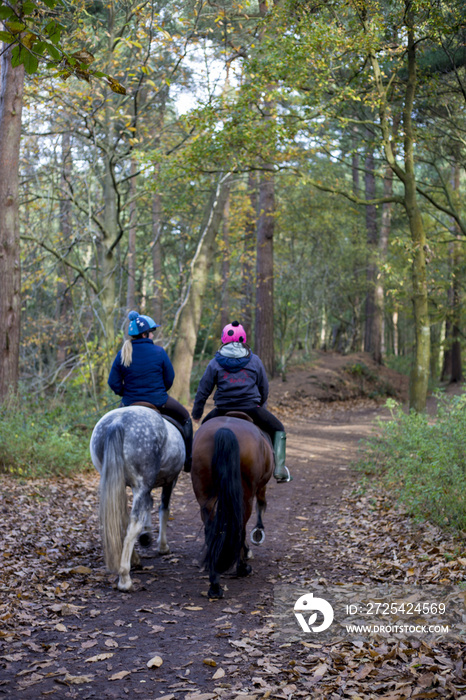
point(241, 383)
point(148, 377)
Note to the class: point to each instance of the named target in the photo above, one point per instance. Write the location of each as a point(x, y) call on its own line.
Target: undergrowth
point(45, 438)
point(422, 461)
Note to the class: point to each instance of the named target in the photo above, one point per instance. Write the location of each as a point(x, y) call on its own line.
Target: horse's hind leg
point(145, 538)
point(164, 512)
point(142, 506)
point(242, 567)
point(258, 534)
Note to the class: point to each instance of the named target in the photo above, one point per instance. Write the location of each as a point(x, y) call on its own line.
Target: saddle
point(146, 404)
point(244, 416)
point(239, 414)
point(171, 420)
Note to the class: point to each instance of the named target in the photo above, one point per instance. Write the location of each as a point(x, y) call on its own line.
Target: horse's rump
point(256, 454)
point(232, 463)
point(133, 446)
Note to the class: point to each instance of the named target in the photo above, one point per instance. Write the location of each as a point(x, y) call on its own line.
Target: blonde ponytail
point(127, 353)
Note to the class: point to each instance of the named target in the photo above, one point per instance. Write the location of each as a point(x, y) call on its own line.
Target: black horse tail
point(224, 531)
point(113, 509)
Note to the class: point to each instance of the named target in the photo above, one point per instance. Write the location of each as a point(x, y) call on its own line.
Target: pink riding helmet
point(233, 333)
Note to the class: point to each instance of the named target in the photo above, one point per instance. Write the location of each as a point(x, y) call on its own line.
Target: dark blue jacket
point(148, 377)
point(241, 384)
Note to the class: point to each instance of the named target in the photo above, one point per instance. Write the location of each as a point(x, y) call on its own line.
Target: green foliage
point(399, 363)
point(370, 384)
point(423, 461)
point(33, 31)
point(44, 439)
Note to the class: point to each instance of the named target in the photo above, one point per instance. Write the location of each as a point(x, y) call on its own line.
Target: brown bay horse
point(232, 463)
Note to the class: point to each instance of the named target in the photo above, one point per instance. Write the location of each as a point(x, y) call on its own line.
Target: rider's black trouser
point(175, 410)
point(264, 420)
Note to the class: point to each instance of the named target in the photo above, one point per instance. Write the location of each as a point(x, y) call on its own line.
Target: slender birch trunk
point(247, 267)
point(225, 308)
point(371, 328)
point(264, 321)
point(11, 104)
point(131, 285)
point(187, 321)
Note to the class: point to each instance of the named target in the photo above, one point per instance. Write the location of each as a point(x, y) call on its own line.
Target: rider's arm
point(115, 378)
point(262, 382)
point(167, 369)
point(205, 388)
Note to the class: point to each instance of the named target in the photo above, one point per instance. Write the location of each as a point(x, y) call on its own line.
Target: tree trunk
point(225, 304)
point(157, 291)
point(263, 334)
point(420, 371)
point(63, 292)
point(187, 321)
point(131, 288)
point(372, 335)
point(456, 367)
point(378, 282)
point(421, 363)
point(355, 342)
point(108, 262)
point(11, 103)
point(112, 231)
point(247, 267)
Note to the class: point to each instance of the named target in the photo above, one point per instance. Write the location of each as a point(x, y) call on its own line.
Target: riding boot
point(188, 442)
point(281, 473)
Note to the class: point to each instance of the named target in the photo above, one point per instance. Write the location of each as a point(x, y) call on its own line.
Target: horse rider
point(242, 385)
point(143, 372)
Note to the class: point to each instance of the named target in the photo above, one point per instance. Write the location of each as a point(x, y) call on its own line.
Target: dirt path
point(68, 633)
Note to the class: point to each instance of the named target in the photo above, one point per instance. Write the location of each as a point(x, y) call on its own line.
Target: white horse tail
point(113, 501)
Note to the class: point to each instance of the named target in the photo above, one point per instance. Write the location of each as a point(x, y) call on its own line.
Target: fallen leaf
point(77, 680)
point(219, 673)
point(80, 570)
point(209, 662)
point(100, 657)
point(118, 676)
point(111, 643)
point(156, 662)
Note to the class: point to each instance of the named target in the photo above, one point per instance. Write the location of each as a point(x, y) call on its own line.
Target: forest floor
point(66, 631)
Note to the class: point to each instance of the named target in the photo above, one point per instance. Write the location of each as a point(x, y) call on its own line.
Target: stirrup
point(284, 479)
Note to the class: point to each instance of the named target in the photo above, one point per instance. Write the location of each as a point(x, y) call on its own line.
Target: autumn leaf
point(77, 680)
point(118, 676)
point(209, 662)
point(99, 657)
point(155, 662)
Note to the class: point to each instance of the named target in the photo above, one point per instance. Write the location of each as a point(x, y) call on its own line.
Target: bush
point(43, 439)
point(423, 461)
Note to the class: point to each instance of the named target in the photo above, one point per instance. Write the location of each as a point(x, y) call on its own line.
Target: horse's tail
point(224, 531)
point(113, 502)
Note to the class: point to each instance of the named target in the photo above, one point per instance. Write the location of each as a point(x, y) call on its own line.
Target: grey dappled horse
point(134, 446)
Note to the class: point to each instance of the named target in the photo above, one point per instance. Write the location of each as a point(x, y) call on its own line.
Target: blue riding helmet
point(140, 324)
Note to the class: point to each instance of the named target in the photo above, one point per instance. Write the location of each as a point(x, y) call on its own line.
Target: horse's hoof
point(125, 585)
point(258, 536)
point(215, 592)
point(145, 539)
point(243, 569)
point(164, 551)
